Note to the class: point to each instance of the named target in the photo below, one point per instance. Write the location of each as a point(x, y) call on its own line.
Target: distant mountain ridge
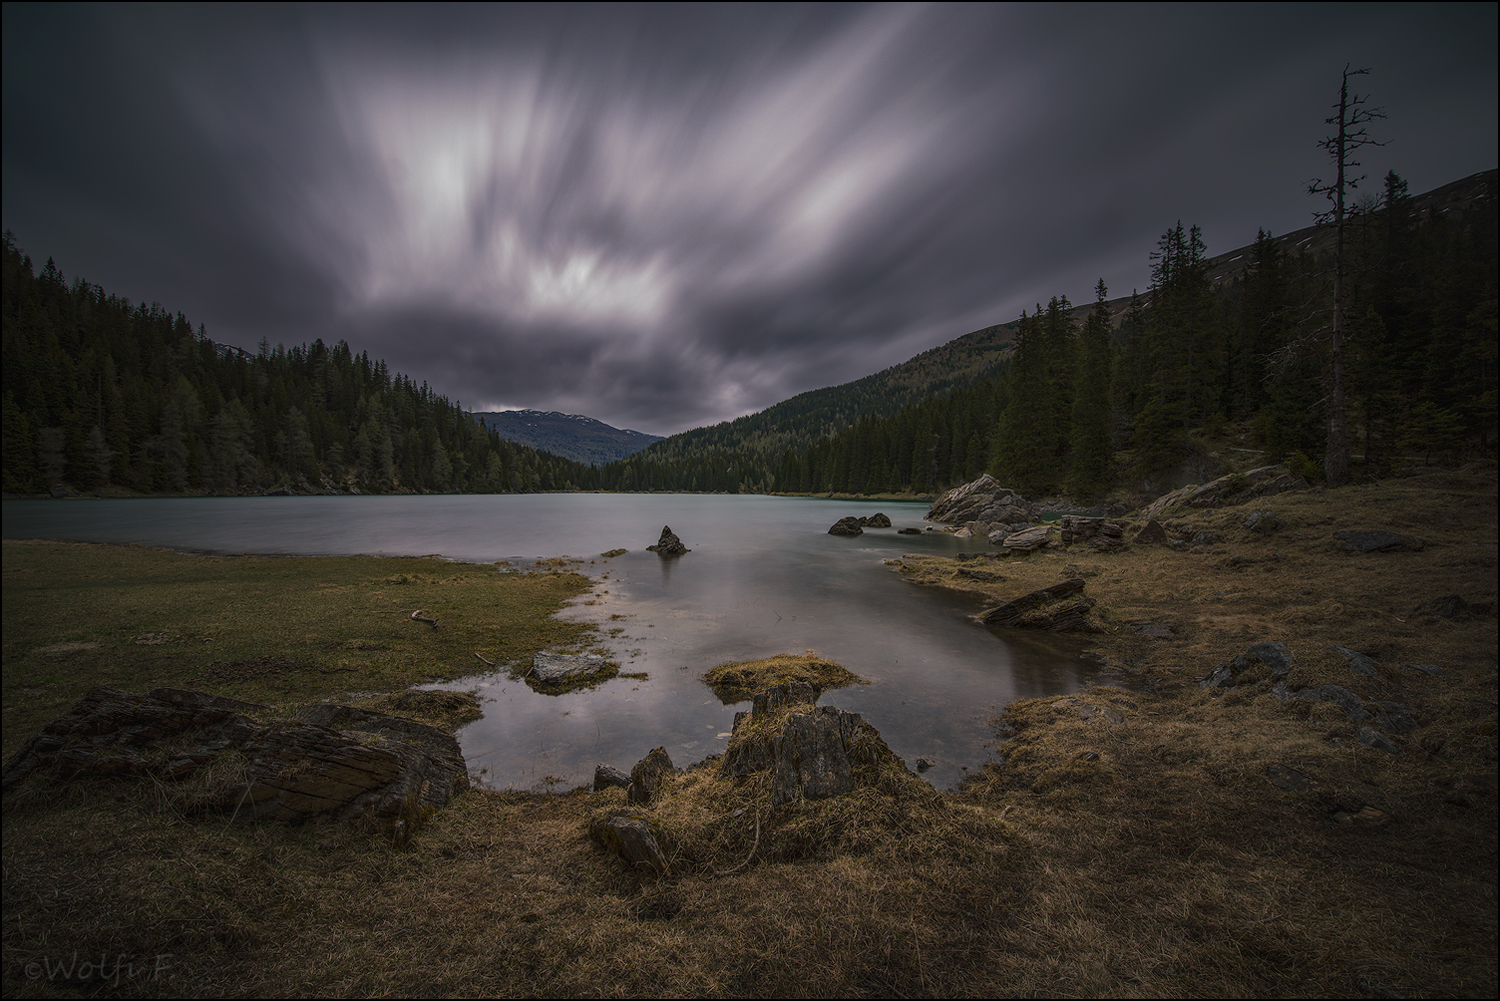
point(572, 436)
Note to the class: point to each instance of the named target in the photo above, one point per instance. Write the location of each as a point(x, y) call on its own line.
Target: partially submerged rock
point(878, 520)
point(847, 526)
point(332, 760)
point(669, 544)
point(566, 669)
point(738, 681)
point(1045, 609)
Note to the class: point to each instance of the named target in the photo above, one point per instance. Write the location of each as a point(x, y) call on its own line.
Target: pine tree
point(1088, 476)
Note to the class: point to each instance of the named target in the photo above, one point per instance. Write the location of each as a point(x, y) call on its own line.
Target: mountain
point(820, 413)
point(572, 436)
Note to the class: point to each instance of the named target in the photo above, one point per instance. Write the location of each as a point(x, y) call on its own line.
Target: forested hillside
point(1115, 393)
point(103, 393)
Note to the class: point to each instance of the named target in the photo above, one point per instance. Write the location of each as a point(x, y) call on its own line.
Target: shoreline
point(1160, 840)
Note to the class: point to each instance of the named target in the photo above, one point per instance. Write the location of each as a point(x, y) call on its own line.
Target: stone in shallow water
point(555, 668)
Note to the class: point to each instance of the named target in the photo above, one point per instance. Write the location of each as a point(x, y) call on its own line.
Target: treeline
point(100, 392)
point(1085, 407)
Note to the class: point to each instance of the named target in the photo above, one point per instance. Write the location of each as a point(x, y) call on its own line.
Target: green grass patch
point(283, 631)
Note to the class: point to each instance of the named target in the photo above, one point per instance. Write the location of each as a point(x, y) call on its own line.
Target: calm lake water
point(763, 577)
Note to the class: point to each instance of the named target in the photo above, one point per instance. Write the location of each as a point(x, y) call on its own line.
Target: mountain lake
point(763, 577)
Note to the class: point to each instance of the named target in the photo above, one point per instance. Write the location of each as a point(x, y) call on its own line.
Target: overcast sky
point(664, 217)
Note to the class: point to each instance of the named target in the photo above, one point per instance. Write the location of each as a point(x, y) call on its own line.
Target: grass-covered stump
point(739, 681)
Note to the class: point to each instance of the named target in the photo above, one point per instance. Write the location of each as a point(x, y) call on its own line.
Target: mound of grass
point(738, 682)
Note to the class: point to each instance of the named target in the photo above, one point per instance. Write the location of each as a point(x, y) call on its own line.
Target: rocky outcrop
point(1272, 659)
point(847, 526)
point(669, 544)
point(1046, 609)
point(1029, 540)
point(984, 500)
point(1103, 535)
point(1235, 488)
point(812, 751)
point(331, 760)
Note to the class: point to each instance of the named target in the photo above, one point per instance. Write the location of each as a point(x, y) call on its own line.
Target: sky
point(669, 216)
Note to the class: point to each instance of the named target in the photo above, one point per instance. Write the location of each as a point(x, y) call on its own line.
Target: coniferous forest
point(103, 394)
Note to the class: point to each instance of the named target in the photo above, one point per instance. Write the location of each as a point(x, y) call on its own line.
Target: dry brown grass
point(1149, 857)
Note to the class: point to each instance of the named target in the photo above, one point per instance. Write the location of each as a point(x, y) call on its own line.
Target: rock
point(607, 775)
point(647, 775)
point(1030, 540)
point(1262, 521)
point(669, 544)
point(630, 835)
point(1288, 779)
point(1274, 656)
point(862, 521)
point(983, 499)
point(908, 531)
point(923, 764)
point(1374, 738)
point(1152, 532)
point(1234, 488)
point(1358, 662)
point(613, 553)
point(846, 526)
point(357, 765)
point(878, 520)
point(1156, 630)
point(1032, 611)
point(1352, 705)
point(1377, 542)
point(811, 756)
point(565, 668)
point(813, 752)
point(1447, 607)
point(1207, 539)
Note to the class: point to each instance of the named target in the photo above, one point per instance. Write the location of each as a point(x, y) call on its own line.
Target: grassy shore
point(1147, 840)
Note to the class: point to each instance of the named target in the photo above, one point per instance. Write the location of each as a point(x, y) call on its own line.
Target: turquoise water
point(763, 577)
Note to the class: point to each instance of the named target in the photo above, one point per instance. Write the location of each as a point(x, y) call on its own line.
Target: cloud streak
point(663, 217)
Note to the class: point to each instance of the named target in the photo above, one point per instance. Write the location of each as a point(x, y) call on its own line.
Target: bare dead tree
point(1350, 121)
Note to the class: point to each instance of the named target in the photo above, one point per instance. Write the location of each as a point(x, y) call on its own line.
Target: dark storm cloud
point(667, 216)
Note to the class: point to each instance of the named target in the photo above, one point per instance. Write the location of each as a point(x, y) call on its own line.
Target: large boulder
point(878, 520)
point(847, 526)
point(1235, 488)
point(331, 760)
point(983, 499)
point(555, 669)
point(669, 544)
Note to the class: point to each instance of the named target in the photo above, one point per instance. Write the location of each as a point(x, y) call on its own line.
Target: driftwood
point(417, 616)
point(482, 657)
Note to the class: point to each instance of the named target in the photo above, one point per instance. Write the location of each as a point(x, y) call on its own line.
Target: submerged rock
point(669, 544)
